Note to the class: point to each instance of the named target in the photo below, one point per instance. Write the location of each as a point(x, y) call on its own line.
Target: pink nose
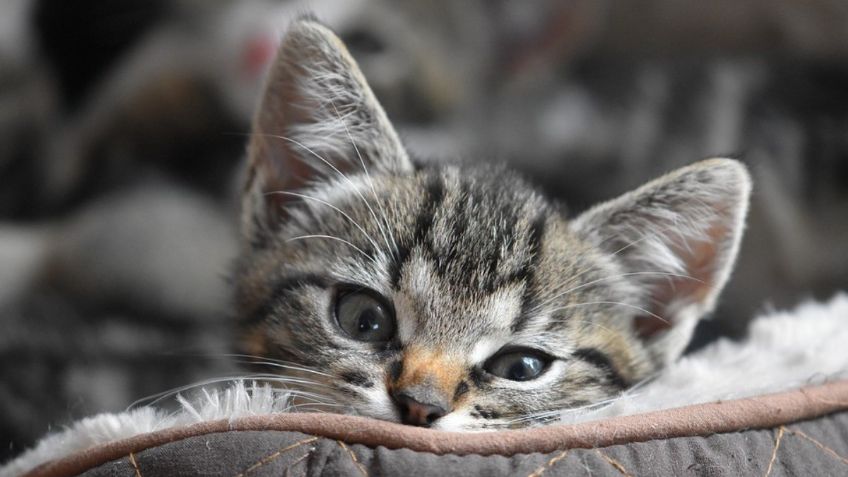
point(416, 413)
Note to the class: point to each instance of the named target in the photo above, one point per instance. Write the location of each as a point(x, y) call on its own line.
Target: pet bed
point(803, 432)
point(773, 404)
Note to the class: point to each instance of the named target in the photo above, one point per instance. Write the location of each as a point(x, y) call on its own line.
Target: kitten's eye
point(364, 317)
point(518, 365)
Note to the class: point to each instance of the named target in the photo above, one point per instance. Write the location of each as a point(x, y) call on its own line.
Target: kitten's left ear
point(677, 237)
point(317, 119)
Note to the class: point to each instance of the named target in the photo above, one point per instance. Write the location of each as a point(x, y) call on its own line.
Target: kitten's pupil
point(528, 367)
point(368, 321)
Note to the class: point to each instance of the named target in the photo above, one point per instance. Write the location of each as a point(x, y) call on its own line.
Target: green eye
point(365, 317)
point(518, 365)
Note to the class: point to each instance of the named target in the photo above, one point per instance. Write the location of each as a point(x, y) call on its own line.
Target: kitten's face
point(464, 286)
point(455, 298)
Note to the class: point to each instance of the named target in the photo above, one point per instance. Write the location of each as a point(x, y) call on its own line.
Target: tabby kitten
point(456, 297)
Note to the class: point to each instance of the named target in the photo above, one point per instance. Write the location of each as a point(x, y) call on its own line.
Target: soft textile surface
point(263, 443)
point(784, 350)
point(817, 447)
point(810, 448)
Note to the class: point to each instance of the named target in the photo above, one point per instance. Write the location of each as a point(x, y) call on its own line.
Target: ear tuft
point(317, 119)
point(677, 237)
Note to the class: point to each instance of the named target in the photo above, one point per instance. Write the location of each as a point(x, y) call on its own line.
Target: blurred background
point(123, 124)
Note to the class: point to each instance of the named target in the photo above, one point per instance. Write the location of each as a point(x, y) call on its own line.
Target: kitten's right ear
point(677, 238)
point(317, 119)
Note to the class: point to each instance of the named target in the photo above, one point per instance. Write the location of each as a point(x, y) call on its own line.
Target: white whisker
point(575, 305)
point(282, 366)
point(342, 175)
point(612, 277)
point(368, 176)
point(155, 398)
point(348, 217)
point(269, 361)
point(331, 237)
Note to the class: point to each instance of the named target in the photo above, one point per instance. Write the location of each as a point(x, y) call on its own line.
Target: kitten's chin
point(458, 422)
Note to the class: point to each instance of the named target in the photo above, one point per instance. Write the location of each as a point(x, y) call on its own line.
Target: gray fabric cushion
point(814, 447)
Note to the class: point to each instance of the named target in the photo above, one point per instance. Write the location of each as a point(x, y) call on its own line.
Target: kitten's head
point(452, 297)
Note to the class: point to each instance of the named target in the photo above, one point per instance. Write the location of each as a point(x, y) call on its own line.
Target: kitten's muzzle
point(419, 407)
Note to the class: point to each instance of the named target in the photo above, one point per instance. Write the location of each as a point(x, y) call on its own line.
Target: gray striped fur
point(472, 259)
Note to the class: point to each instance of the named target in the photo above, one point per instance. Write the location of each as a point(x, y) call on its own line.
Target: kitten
point(456, 297)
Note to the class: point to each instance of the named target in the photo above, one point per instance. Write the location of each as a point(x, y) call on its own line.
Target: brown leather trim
point(697, 420)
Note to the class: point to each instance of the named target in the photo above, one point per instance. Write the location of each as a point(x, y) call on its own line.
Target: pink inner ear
point(279, 163)
point(671, 293)
point(293, 178)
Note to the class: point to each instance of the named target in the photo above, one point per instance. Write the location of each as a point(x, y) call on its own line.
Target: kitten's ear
point(677, 237)
point(317, 119)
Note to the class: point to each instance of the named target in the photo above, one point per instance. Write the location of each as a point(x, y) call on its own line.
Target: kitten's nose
point(416, 413)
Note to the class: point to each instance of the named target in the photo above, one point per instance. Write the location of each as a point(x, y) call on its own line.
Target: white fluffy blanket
point(783, 350)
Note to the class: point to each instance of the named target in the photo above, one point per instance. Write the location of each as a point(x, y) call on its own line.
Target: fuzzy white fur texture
point(783, 350)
